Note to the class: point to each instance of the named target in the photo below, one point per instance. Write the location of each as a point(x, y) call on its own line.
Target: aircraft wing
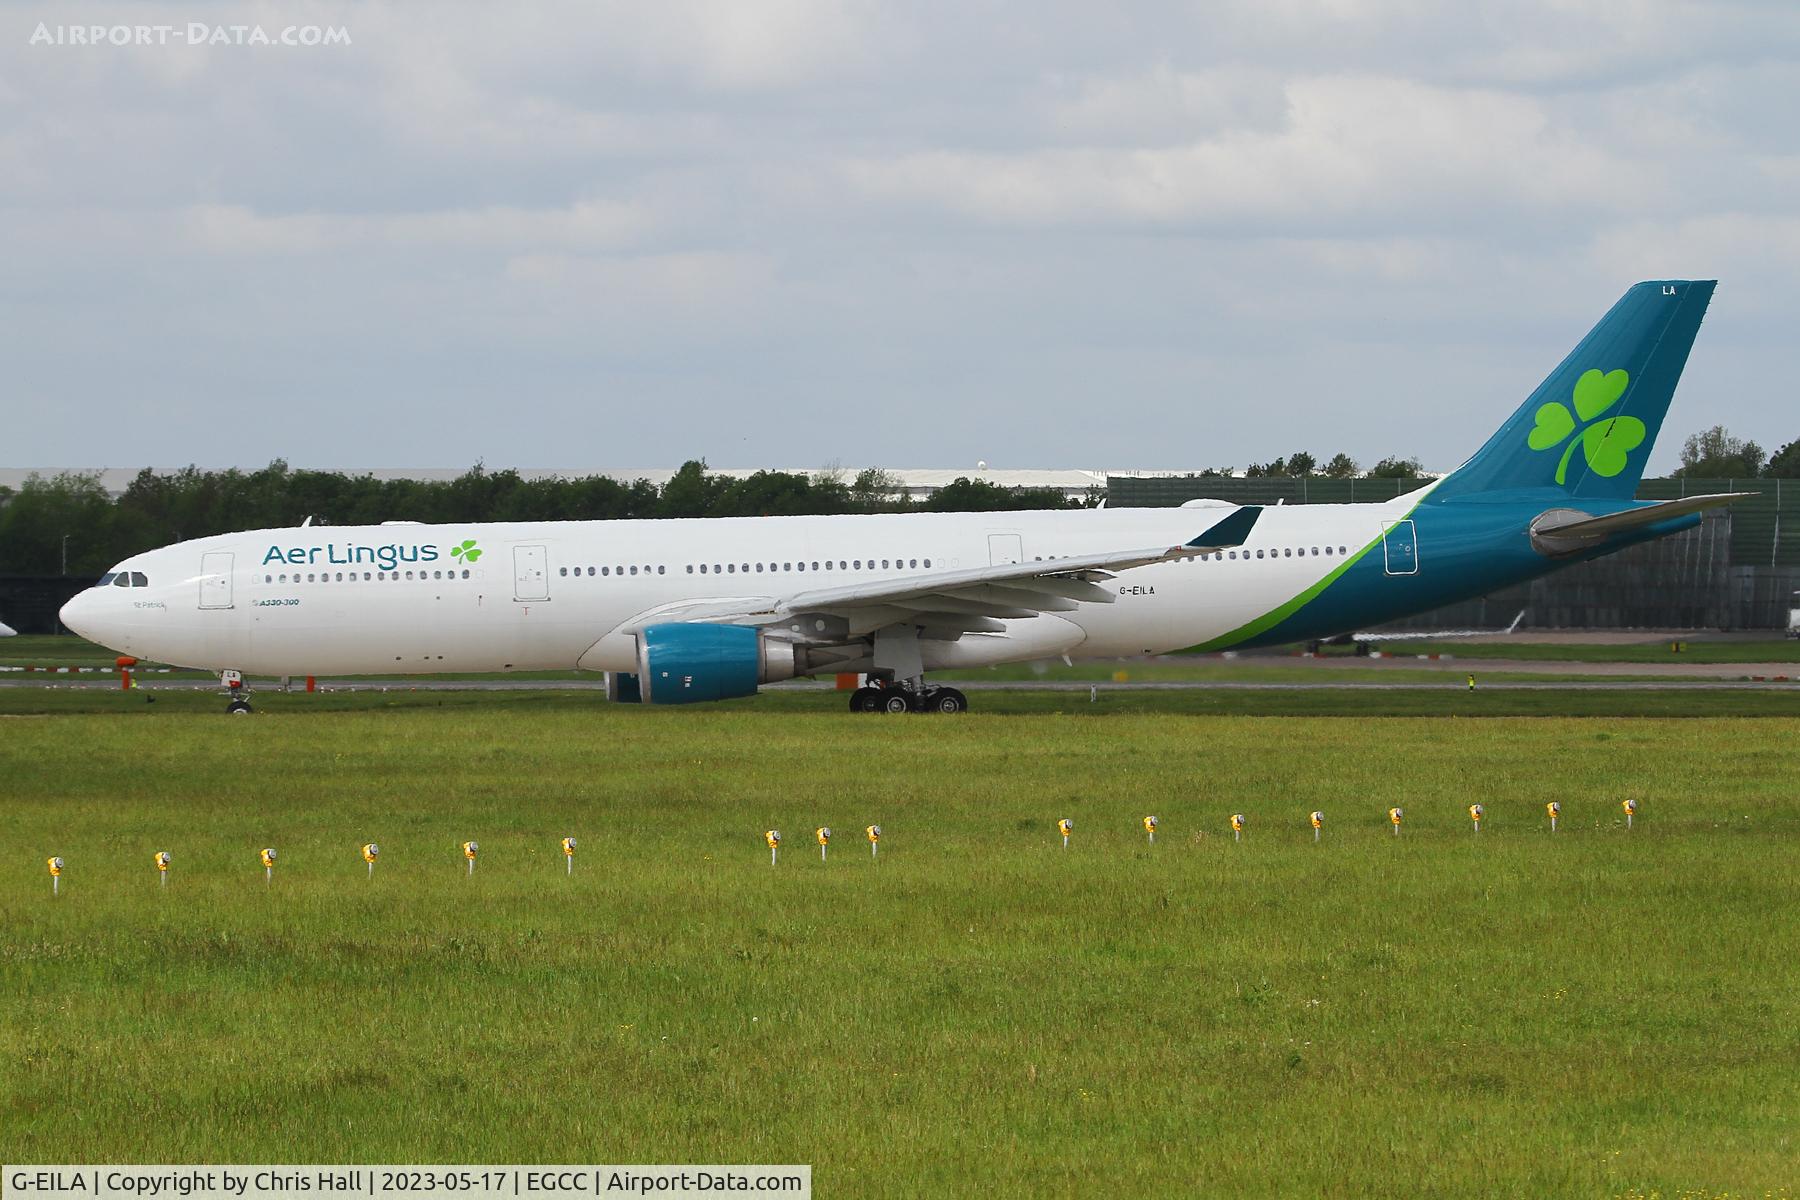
point(972, 600)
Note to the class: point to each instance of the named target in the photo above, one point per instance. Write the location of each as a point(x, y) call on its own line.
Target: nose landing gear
point(238, 702)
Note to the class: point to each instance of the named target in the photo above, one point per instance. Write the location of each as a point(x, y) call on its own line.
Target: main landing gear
point(912, 696)
point(238, 705)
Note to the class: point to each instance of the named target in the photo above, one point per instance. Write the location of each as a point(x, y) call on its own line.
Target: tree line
point(69, 521)
point(156, 510)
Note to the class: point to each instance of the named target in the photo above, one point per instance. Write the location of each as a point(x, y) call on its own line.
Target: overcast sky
point(773, 232)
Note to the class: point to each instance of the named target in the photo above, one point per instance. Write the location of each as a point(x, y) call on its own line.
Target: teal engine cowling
point(687, 663)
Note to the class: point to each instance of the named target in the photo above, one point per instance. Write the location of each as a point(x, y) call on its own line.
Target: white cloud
point(237, 230)
point(1373, 151)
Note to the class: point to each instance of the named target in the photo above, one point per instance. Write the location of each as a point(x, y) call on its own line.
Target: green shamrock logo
point(466, 552)
point(1606, 444)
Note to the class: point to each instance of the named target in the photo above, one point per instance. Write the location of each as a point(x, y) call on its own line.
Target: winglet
point(1232, 531)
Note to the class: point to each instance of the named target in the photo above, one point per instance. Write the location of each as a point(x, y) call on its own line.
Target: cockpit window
point(106, 579)
point(138, 579)
point(122, 579)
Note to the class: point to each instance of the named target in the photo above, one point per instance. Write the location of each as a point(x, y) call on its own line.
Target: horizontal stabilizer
point(1564, 523)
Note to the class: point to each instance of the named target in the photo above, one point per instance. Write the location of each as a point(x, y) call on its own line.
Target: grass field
point(1594, 1013)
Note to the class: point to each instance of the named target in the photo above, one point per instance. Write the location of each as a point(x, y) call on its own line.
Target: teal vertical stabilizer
point(1588, 429)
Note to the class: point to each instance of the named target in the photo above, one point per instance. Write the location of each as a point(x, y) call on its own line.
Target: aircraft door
point(1400, 547)
point(531, 577)
point(1005, 548)
point(215, 579)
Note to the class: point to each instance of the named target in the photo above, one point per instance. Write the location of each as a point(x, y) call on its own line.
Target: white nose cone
point(7, 630)
point(78, 615)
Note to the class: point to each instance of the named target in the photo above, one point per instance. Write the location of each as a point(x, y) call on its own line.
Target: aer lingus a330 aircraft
point(685, 610)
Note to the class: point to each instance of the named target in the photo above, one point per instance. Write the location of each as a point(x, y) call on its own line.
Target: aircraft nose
point(78, 615)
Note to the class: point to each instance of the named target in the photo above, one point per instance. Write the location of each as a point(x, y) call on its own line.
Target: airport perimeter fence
point(1736, 570)
point(29, 603)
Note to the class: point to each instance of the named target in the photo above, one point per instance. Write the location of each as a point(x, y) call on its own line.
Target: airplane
point(7, 630)
point(679, 611)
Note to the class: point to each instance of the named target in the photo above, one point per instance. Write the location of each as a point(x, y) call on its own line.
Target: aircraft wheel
point(895, 702)
point(949, 700)
point(238, 707)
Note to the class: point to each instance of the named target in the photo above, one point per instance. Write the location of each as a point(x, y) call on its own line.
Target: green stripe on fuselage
point(1276, 616)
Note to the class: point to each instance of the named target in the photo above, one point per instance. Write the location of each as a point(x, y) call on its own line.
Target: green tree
point(1396, 468)
point(44, 512)
point(690, 492)
point(1786, 462)
point(1715, 454)
point(1341, 466)
point(978, 495)
point(875, 490)
point(1300, 464)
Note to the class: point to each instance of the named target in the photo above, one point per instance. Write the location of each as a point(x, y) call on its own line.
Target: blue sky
point(798, 234)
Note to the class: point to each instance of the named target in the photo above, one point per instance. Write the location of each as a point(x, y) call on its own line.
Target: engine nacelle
point(685, 663)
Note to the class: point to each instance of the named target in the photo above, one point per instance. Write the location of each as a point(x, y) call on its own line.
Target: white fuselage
point(555, 595)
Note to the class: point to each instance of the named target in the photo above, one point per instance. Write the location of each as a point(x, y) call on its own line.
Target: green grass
point(1595, 1013)
point(1782, 650)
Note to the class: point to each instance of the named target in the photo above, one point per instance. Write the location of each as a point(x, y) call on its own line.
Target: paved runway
point(582, 685)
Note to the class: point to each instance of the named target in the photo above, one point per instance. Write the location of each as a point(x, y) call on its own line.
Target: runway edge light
point(162, 867)
point(822, 835)
point(568, 849)
point(1553, 810)
point(1065, 827)
point(1475, 812)
point(1630, 807)
point(56, 865)
point(1150, 824)
point(1394, 815)
point(268, 861)
point(873, 833)
point(772, 839)
point(1318, 823)
point(1237, 827)
point(470, 849)
point(370, 853)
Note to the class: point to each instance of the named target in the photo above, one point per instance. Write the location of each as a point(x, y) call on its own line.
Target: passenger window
point(732, 567)
point(634, 570)
point(759, 568)
point(928, 562)
point(659, 570)
point(690, 568)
